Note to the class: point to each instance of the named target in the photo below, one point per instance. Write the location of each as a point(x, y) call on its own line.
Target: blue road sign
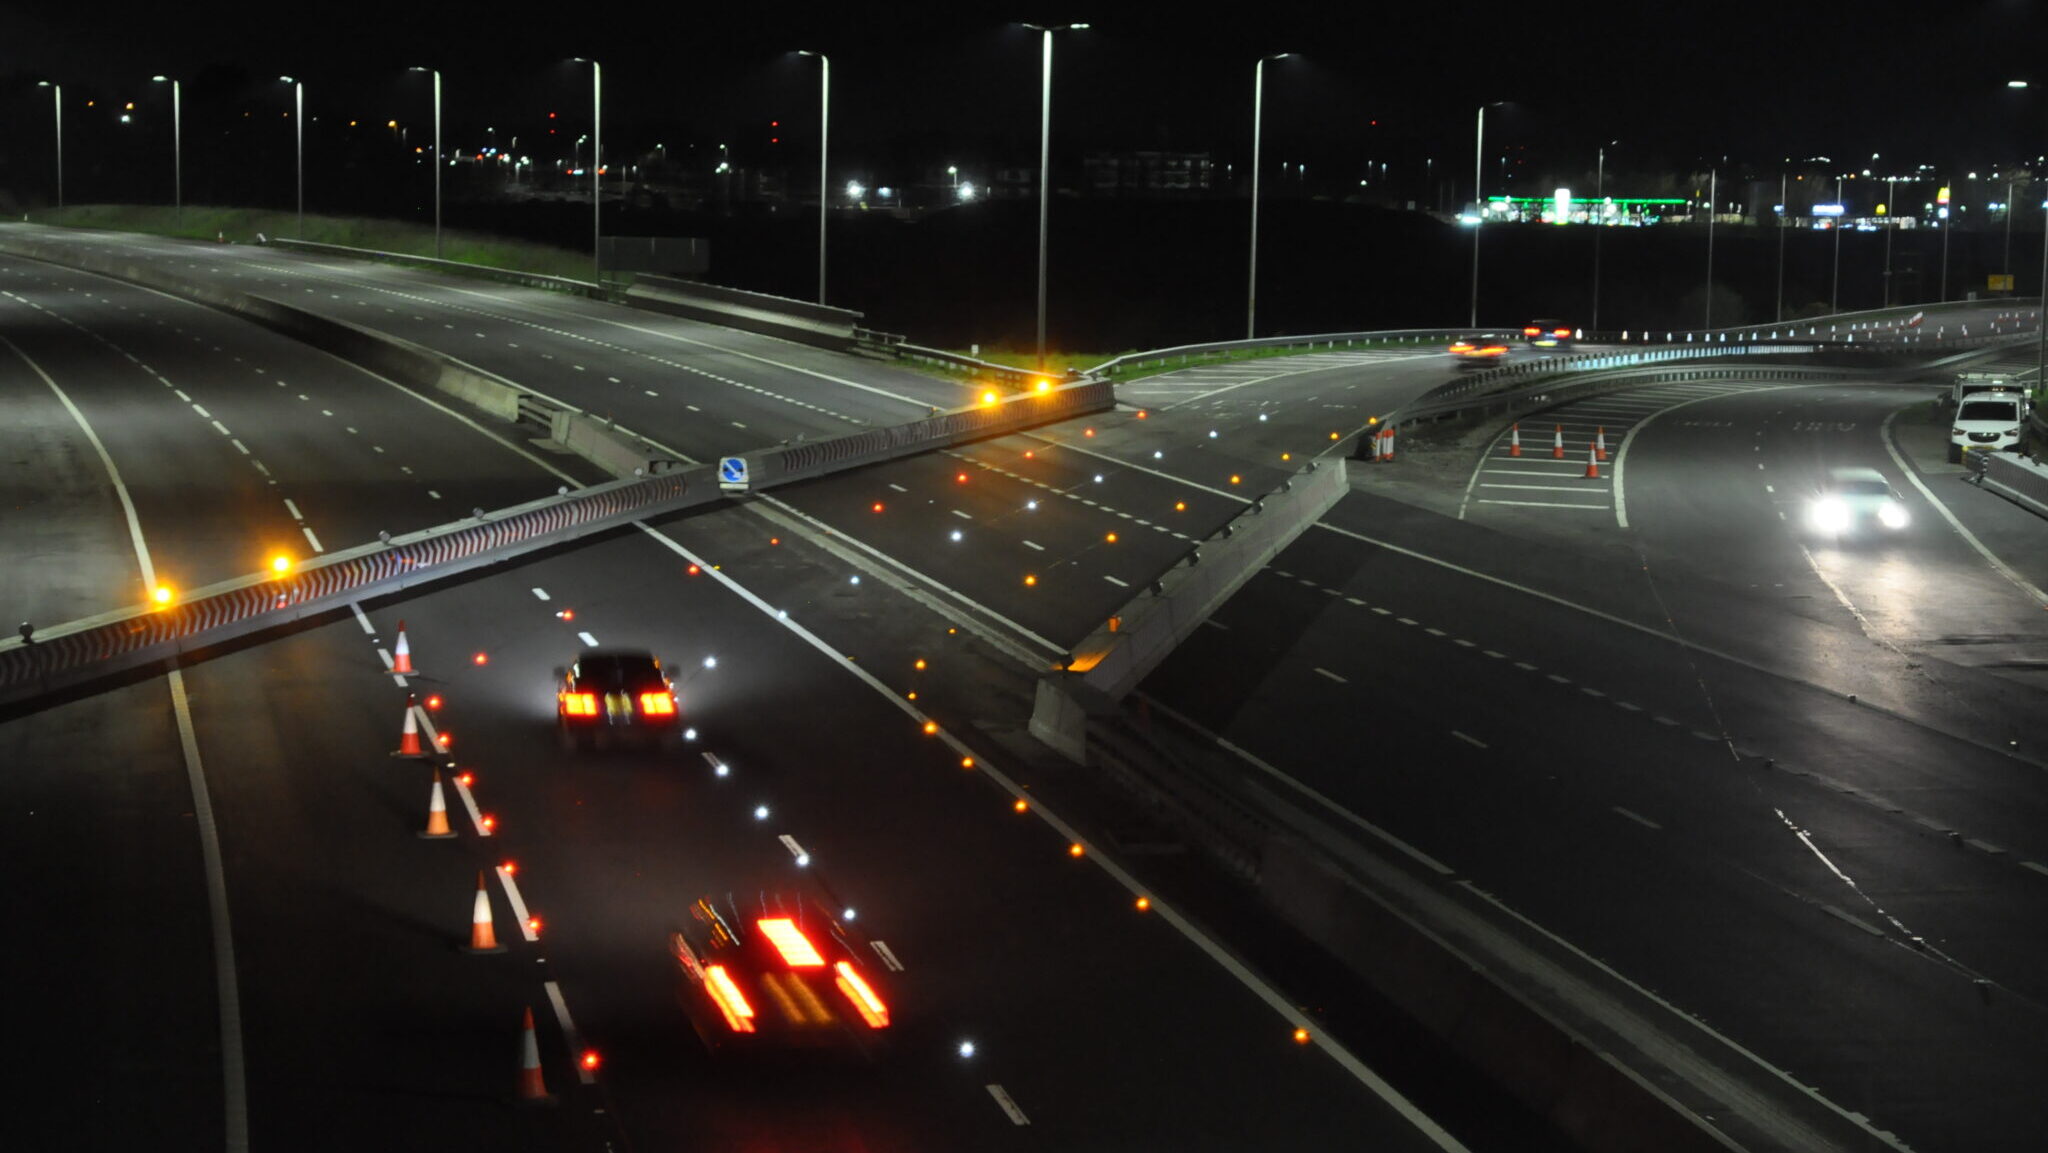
point(732, 473)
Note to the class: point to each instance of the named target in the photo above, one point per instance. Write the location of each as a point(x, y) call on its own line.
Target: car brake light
point(1532, 330)
point(658, 704)
point(796, 949)
point(1562, 333)
point(739, 1016)
point(580, 704)
point(864, 1000)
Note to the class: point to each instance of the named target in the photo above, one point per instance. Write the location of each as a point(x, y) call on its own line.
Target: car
point(1547, 334)
point(1987, 421)
point(1477, 353)
point(782, 973)
point(1855, 501)
point(609, 694)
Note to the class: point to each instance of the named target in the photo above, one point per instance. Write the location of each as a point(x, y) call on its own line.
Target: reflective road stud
point(482, 937)
point(437, 814)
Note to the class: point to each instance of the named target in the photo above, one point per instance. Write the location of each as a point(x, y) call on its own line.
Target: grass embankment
point(1056, 363)
point(241, 225)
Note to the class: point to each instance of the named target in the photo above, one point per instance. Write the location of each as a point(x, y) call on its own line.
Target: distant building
point(1149, 173)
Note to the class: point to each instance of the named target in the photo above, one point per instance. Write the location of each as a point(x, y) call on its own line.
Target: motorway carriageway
point(1100, 1023)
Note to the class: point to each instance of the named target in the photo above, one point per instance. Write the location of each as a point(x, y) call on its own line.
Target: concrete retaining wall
point(797, 320)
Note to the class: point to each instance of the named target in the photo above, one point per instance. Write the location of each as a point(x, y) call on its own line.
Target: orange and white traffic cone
point(1515, 439)
point(1592, 465)
point(401, 654)
point(483, 937)
point(437, 814)
point(531, 1086)
point(409, 736)
point(1600, 443)
point(1557, 443)
point(1387, 453)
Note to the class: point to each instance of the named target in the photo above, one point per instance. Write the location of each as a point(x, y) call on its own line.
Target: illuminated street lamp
point(596, 166)
point(57, 102)
point(299, 129)
point(436, 73)
point(177, 147)
point(1251, 296)
point(1479, 201)
point(824, 128)
point(1045, 166)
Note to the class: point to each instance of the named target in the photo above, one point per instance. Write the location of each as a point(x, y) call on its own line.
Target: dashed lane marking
point(570, 1036)
point(1008, 1106)
point(587, 639)
point(1638, 818)
point(888, 955)
point(1332, 676)
point(311, 539)
point(517, 902)
point(540, 593)
point(1475, 742)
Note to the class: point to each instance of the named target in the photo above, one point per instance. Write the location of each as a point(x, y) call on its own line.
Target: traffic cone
point(531, 1086)
point(1592, 465)
point(1557, 443)
point(483, 938)
point(1600, 443)
point(437, 814)
point(1515, 439)
point(409, 736)
point(1387, 453)
point(401, 654)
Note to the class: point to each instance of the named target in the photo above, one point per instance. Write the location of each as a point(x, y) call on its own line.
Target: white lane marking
point(432, 493)
point(1541, 504)
point(362, 618)
point(1034, 545)
point(180, 394)
point(795, 850)
point(650, 392)
point(737, 424)
point(239, 445)
point(1621, 454)
point(540, 593)
point(1408, 620)
point(1630, 706)
point(293, 509)
point(476, 816)
point(1272, 998)
point(1475, 742)
point(1118, 583)
point(223, 428)
point(1354, 601)
point(587, 639)
point(1008, 1106)
point(2039, 868)
point(233, 1078)
point(1331, 675)
point(570, 1036)
point(311, 539)
point(2023, 584)
point(517, 902)
point(577, 367)
point(1495, 655)
point(615, 380)
point(887, 955)
point(1638, 818)
point(898, 487)
point(963, 515)
point(203, 414)
point(1435, 632)
point(1555, 679)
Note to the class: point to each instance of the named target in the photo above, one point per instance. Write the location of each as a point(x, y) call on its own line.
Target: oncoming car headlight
point(1892, 514)
point(1829, 515)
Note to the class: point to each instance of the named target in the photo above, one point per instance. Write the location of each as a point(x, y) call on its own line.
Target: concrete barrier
point(1124, 649)
point(798, 320)
point(2014, 477)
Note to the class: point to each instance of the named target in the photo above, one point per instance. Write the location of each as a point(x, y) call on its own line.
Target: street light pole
point(1784, 189)
point(1835, 285)
point(1713, 191)
point(436, 73)
point(1599, 203)
point(1478, 202)
point(57, 102)
point(824, 129)
point(596, 166)
point(1942, 215)
point(2005, 264)
point(1891, 216)
point(1251, 300)
point(1045, 166)
point(299, 128)
point(177, 149)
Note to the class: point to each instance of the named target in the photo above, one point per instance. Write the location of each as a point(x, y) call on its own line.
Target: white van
point(1969, 382)
point(1987, 421)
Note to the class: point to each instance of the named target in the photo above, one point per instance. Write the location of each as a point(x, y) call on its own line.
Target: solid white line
point(1275, 1000)
point(587, 639)
point(1116, 582)
point(362, 618)
point(518, 904)
point(1331, 675)
point(2039, 868)
point(570, 1037)
point(1638, 818)
point(887, 955)
point(541, 593)
point(963, 515)
point(2023, 584)
point(1544, 504)
point(1475, 742)
point(311, 539)
point(1621, 454)
point(790, 843)
point(476, 816)
point(1009, 1106)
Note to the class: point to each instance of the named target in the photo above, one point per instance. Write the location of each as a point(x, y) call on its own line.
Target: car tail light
point(1532, 330)
point(1494, 350)
point(658, 704)
point(1562, 333)
point(796, 949)
point(739, 1016)
point(579, 704)
point(864, 1000)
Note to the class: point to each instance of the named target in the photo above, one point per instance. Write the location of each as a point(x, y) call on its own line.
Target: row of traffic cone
point(483, 935)
point(1595, 452)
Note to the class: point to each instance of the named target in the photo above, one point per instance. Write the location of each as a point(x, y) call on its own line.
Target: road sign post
point(732, 473)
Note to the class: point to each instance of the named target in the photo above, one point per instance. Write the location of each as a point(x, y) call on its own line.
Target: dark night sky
point(927, 82)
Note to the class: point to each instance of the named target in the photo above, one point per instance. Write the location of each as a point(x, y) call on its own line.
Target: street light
point(299, 129)
point(1713, 192)
point(1251, 296)
point(596, 166)
point(1479, 201)
point(824, 129)
point(1599, 224)
point(436, 73)
point(177, 147)
point(954, 172)
point(1045, 166)
point(1891, 211)
point(1835, 283)
point(57, 102)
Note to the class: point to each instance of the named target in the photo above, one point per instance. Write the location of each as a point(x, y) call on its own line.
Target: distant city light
point(855, 190)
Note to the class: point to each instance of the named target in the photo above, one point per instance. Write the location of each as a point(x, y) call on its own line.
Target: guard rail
point(435, 264)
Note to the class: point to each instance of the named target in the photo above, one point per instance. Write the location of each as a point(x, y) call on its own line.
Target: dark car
point(1548, 334)
point(1478, 353)
point(778, 973)
point(613, 693)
